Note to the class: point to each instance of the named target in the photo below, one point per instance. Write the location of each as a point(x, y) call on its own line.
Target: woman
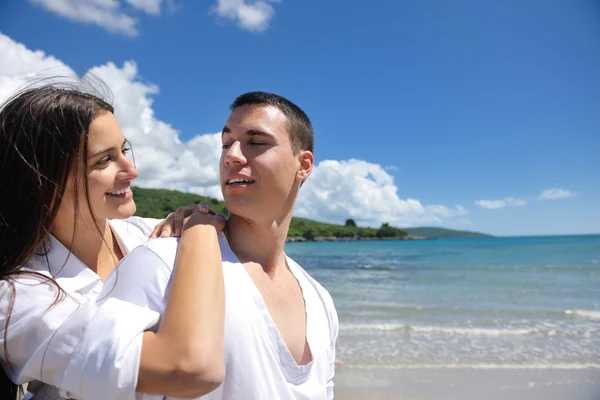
point(65, 223)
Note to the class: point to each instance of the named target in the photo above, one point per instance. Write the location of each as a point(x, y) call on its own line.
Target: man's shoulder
point(164, 249)
point(134, 225)
point(144, 273)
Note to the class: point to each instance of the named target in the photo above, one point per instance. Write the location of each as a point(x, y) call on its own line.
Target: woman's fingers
point(158, 229)
point(174, 223)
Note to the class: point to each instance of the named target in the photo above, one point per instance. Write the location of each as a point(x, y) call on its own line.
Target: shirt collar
point(124, 231)
point(67, 270)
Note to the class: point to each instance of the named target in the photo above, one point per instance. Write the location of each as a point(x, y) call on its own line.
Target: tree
point(350, 222)
point(308, 234)
point(389, 231)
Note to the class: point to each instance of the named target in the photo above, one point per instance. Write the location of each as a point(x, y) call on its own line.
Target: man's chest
point(263, 302)
point(287, 320)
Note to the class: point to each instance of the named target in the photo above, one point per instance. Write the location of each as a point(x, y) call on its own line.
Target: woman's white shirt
point(43, 338)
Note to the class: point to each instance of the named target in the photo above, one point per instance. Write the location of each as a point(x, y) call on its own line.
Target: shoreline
point(370, 383)
point(295, 239)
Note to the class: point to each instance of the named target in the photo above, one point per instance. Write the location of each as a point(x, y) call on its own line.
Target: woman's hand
point(204, 215)
point(173, 224)
point(184, 358)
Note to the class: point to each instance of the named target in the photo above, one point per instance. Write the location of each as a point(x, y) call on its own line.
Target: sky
point(466, 114)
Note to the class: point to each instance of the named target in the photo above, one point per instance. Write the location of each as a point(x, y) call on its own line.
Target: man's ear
point(307, 160)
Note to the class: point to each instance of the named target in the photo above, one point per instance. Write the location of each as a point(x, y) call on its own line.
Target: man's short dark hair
point(301, 130)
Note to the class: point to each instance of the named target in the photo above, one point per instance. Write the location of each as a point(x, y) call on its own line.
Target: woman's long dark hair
point(43, 140)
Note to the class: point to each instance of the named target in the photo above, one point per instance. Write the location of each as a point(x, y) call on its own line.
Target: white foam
point(373, 327)
point(486, 332)
point(479, 366)
point(591, 314)
point(441, 330)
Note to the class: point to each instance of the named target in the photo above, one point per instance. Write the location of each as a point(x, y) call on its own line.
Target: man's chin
point(239, 207)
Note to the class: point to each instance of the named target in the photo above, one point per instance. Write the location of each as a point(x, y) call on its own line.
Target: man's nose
point(235, 155)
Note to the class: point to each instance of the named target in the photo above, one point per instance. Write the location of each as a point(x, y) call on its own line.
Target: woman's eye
point(104, 161)
point(125, 150)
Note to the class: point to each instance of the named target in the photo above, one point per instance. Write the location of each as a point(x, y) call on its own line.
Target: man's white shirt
point(258, 364)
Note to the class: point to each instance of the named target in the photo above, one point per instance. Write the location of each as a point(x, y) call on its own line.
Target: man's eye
point(256, 143)
point(225, 146)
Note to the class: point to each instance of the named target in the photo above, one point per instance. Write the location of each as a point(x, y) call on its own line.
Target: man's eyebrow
point(249, 132)
point(107, 150)
point(256, 132)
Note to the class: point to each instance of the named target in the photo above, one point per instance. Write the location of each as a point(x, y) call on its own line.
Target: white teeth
point(118, 192)
point(238, 180)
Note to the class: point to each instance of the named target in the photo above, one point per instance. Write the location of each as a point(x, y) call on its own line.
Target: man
point(280, 324)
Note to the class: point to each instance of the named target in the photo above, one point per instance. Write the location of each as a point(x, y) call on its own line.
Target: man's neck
point(259, 242)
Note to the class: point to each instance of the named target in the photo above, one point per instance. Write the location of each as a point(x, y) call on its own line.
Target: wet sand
point(352, 383)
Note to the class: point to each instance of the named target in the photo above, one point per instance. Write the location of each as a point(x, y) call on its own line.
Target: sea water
point(476, 302)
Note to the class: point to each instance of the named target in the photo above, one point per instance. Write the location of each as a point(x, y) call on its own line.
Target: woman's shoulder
point(52, 271)
point(32, 293)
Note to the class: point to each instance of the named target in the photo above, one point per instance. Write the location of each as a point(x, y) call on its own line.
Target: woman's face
point(110, 175)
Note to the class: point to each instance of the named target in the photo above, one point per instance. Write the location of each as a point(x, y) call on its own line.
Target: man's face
point(260, 175)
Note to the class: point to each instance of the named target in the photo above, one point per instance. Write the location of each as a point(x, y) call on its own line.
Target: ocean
point(476, 302)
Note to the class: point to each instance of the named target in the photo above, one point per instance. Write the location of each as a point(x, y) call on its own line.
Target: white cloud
point(250, 15)
point(148, 6)
point(336, 190)
point(107, 14)
point(162, 158)
point(171, 6)
point(18, 64)
point(506, 202)
point(356, 189)
point(554, 194)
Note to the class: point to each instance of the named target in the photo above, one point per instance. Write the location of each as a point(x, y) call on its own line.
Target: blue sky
point(450, 113)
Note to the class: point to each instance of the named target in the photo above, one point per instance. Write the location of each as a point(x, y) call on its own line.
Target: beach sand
point(352, 383)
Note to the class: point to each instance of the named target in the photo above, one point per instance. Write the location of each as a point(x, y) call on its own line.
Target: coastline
point(365, 383)
point(294, 239)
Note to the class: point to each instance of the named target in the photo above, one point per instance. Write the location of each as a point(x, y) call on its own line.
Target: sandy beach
point(353, 383)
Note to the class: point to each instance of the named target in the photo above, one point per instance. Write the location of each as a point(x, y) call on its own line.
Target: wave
point(591, 314)
point(494, 313)
point(408, 263)
point(376, 268)
point(441, 330)
point(572, 366)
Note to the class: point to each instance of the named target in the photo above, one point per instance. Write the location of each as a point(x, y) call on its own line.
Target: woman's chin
point(123, 212)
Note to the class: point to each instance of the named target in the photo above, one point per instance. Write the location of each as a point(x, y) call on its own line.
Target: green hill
point(157, 203)
point(440, 233)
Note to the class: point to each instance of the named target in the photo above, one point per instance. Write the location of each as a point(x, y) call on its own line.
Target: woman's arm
point(98, 350)
point(123, 350)
point(184, 358)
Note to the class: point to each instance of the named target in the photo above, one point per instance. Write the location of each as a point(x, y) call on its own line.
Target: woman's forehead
point(105, 132)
